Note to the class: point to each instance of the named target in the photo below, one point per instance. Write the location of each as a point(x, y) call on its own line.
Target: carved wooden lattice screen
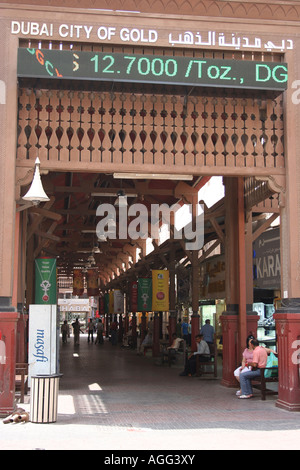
point(106, 131)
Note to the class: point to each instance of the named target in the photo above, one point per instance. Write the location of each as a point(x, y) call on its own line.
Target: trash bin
point(43, 398)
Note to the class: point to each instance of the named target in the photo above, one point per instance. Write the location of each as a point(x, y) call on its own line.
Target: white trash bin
point(44, 398)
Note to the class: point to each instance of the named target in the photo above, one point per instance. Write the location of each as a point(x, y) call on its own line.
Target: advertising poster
point(160, 290)
point(43, 348)
point(144, 295)
point(45, 281)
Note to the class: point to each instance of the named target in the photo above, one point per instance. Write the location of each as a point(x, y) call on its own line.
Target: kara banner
point(118, 301)
point(92, 282)
point(134, 296)
point(45, 281)
point(160, 290)
point(78, 282)
point(144, 295)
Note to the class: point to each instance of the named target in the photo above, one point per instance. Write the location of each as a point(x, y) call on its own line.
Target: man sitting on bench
point(203, 353)
point(259, 361)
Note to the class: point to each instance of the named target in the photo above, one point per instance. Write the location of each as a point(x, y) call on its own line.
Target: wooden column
point(229, 319)
point(172, 295)
point(156, 328)
point(242, 267)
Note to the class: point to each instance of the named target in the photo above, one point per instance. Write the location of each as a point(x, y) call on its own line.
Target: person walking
point(76, 330)
point(99, 338)
point(91, 330)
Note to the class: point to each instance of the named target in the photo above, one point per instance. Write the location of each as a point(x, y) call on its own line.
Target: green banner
point(144, 295)
point(45, 281)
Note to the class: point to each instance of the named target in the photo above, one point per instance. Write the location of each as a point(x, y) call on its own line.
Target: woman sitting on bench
point(259, 361)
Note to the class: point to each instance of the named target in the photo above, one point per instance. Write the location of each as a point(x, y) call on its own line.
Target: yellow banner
point(160, 290)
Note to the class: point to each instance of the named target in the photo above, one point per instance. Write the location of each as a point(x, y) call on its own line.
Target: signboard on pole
point(45, 281)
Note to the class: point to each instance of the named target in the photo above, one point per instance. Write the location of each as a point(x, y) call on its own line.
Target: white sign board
point(43, 340)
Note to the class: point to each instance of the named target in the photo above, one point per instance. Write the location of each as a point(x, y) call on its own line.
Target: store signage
point(144, 36)
point(74, 305)
point(138, 68)
point(267, 266)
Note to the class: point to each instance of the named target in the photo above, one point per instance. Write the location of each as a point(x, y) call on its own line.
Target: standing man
point(76, 331)
point(208, 332)
point(259, 361)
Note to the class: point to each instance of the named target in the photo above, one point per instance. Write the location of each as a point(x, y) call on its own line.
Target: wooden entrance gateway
point(159, 142)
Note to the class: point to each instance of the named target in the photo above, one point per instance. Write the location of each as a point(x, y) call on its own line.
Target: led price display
point(118, 67)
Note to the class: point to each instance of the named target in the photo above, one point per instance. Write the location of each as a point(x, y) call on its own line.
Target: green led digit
point(142, 61)
point(169, 63)
point(96, 60)
point(132, 59)
point(160, 70)
point(112, 60)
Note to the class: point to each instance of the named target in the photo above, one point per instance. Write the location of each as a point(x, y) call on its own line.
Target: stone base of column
point(230, 332)
point(8, 333)
point(288, 338)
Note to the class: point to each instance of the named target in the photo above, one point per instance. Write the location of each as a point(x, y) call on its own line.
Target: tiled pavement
point(111, 398)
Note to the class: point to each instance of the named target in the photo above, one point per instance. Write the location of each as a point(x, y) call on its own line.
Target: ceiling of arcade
point(65, 227)
point(272, 10)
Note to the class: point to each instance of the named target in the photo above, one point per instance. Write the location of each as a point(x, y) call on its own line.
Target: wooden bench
point(260, 382)
point(211, 362)
point(21, 379)
point(173, 355)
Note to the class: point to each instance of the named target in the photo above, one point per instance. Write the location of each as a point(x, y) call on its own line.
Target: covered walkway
point(110, 398)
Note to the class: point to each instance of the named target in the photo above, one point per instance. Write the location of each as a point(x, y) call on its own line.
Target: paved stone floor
point(113, 399)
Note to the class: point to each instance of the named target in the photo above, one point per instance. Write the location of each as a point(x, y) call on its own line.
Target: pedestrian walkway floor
point(111, 398)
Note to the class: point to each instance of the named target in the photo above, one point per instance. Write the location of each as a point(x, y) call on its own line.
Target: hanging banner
point(144, 295)
point(92, 282)
point(111, 302)
point(118, 301)
point(101, 306)
point(134, 296)
point(106, 303)
point(78, 282)
point(45, 281)
point(160, 290)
